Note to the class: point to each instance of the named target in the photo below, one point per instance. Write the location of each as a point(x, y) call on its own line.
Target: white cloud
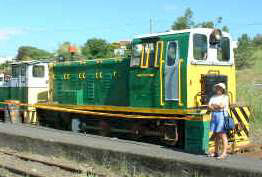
point(7, 33)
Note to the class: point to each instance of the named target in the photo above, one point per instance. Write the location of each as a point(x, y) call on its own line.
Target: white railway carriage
point(28, 84)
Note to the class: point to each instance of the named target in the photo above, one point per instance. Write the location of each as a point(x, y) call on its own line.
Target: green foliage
point(225, 28)
point(97, 48)
point(257, 41)
point(5, 67)
point(185, 21)
point(243, 53)
point(63, 51)
point(250, 94)
point(32, 53)
point(207, 24)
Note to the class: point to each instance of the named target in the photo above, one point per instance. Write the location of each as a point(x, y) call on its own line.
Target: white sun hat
point(221, 85)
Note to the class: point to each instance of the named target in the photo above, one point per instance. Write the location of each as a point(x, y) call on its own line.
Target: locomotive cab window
point(172, 53)
point(15, 71)
point(158, 53)
point(23, 70)
point(145, 56)
point(137, 55)
point(200, 46)
point(148, 59)
point(38, 71)
point(151, 58)
point(223, 50)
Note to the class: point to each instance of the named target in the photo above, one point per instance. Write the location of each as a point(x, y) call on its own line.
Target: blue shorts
point(217, 122)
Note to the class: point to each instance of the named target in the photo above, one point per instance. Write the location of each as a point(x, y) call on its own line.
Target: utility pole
point(151, 25)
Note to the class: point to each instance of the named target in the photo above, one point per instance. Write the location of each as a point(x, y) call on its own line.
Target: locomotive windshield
point(38, 71)
point(223, 50)
point(205, 52)
point(200, 46)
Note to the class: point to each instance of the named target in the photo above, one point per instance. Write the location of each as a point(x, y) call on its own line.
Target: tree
point(207, 24)
point(63, 51)
point(32, 53)
point(184, 22)
point(225, 28)
point(243, 53)
point(5, 67)
point(257, 41)
point(97, 48)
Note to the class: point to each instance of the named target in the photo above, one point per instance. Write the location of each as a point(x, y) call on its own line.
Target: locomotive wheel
point(137, 132)
point(169, 135)
point(104, 128)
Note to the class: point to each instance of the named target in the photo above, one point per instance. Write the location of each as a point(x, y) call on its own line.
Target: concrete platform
point(136, 157)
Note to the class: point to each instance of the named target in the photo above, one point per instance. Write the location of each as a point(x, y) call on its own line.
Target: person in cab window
point(171, 54)
point(218, 105)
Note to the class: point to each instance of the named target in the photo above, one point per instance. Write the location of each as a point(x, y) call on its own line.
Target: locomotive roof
point(30, 62)
point(194, 30)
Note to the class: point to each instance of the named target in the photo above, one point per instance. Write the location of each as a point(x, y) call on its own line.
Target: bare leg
point(225, 143)
point(216, 143)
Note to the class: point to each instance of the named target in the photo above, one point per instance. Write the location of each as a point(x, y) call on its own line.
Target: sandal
point(215, 154)
point(222, 157)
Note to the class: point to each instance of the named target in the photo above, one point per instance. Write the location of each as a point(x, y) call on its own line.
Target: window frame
point(141, 56)
point(177, 52)
point(42, 75)
point(207, 47)
point(229, 53)
point(144, 62)
point(158, 59)
point(15, 71)
point(210, 60)
point(23, 70)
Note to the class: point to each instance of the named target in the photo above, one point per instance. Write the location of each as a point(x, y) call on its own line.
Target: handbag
point(229, 122)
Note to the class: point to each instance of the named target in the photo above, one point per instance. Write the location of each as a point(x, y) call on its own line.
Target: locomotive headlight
point(215, 37)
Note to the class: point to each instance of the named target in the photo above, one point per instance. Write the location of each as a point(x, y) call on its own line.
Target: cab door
point(174, 70)
point(171, 72)
point(144, 88)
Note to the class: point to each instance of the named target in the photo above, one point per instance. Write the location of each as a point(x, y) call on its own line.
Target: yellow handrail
point(161, 62)
point(179, 83)
point(159, 50)
point(142, 56)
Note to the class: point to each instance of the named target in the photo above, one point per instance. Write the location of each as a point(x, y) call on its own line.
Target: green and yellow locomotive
point(161, 90)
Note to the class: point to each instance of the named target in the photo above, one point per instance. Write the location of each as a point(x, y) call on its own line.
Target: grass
point(250, 94)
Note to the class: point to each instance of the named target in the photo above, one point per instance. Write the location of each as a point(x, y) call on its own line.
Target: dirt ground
point(35, 167)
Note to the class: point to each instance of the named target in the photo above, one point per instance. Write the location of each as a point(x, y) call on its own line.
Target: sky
point(47, 23)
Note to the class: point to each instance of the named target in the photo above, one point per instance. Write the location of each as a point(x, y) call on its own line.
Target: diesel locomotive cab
point(180, 68)
point(210, 62)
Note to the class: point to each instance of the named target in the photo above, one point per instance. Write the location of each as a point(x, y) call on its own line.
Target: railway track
point(15, 164)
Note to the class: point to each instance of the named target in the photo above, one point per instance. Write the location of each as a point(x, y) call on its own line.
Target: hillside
point(249, 92)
